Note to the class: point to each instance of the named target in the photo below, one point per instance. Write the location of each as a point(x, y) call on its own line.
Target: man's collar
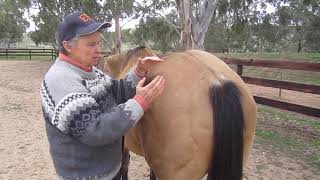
point(69, 60)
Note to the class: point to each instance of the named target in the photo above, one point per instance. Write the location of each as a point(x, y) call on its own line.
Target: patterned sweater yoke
point(86, 114)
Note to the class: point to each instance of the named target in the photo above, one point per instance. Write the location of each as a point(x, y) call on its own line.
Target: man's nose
point(98, 48)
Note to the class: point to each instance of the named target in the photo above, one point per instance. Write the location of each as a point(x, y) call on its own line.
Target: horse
point(202, 124)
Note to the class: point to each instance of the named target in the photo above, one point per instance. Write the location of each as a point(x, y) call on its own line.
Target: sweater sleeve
point(79, 115)
point(74, 111)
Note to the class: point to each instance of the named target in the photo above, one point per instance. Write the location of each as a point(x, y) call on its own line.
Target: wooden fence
point(305, 66)
point(240, 63)
point(7, 53)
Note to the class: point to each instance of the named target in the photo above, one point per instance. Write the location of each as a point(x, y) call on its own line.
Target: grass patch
point(293, 146)
point(274, 114)
point(288, 132)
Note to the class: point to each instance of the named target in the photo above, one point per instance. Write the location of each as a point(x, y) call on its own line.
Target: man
point(83, 117)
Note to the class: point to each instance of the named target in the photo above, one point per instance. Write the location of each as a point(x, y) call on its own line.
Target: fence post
point(6, 53)
point(30, 54)
point(281, 77)
point(239, 69)
point(56, 53)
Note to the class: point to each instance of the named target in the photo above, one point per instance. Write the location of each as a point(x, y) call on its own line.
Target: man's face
point(87, 49)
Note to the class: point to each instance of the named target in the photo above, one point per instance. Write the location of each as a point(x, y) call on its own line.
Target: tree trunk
point(186, 34)
point(117, 34)
point(299, 46)
point(195, 26)
point(201, 23)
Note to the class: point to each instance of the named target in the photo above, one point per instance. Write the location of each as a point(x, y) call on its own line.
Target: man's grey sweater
point(86, 114)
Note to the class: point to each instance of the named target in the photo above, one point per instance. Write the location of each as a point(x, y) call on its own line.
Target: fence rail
point(283, 64)
point(306, 88)
point(4, 52)
point(240, 63)
point(299, 87)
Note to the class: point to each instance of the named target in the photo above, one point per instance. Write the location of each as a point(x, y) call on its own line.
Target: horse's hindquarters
point(176, 132)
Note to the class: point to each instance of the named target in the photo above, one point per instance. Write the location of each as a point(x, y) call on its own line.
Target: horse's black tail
point(226, 163)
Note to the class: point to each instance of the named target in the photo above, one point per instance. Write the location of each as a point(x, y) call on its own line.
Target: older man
point(84, 122)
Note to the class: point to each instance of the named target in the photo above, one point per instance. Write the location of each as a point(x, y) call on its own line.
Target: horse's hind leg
point(125, 164)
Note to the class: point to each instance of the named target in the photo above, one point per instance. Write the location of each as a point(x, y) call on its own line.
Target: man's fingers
point(152, 59)
point(141, 82)
point(158, 84)
point(161, 87)
point(153, 89)
point(153, 82)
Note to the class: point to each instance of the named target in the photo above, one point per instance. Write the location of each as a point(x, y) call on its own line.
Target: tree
point(230, 26)
point(195, 19)
point(12, 23)
point(312, 35)
point(299, 15)
point(216, 38)
point(52, 12)
point(157, 33)
point(249, 27)
point(119, 9)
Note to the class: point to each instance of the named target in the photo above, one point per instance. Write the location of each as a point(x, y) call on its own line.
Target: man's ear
point(67, 46)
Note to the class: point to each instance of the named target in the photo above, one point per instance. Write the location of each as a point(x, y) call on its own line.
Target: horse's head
point(119, 64)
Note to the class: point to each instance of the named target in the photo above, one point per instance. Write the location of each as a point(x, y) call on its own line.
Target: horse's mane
point(132, 52)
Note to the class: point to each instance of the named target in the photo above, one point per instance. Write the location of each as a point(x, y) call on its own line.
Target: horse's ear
point(160, 55)
point(141, 47)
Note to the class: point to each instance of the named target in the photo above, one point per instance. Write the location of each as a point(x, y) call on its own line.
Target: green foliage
point(12, 23)
point(52, 12)
point(216, 39)
point(124, 8)
point(312, 36)
point(248, 27)
point(237, 25)
point(157, 34)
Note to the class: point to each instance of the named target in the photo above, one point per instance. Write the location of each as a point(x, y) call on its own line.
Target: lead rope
point(125, 154)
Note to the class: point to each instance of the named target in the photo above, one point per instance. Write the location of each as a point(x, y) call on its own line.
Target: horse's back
point(176, 132)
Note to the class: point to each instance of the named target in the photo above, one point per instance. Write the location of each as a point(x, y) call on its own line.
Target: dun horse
point(204, 121)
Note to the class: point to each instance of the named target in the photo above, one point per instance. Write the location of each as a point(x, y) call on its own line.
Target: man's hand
point(151, 90)
point(145, 63)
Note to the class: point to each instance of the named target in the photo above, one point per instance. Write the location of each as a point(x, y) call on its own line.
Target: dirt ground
point(24, 152)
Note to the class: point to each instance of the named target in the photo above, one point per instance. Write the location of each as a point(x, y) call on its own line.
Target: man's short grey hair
point(71, 43)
